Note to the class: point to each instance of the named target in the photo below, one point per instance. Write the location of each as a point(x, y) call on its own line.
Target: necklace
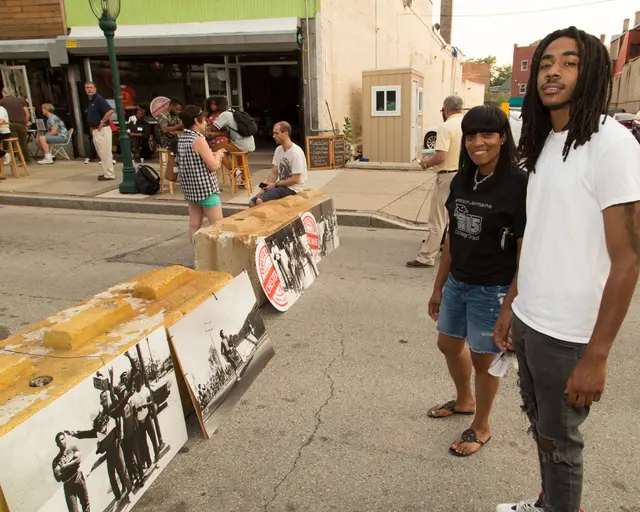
point(477, 183)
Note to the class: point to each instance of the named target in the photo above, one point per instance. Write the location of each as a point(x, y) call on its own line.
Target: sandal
point(469, 436)
point(449, 406)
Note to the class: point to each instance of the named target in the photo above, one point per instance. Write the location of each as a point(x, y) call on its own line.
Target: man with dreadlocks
point(580, 255)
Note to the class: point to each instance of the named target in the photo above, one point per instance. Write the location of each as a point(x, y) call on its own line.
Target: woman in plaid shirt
point(198, 167)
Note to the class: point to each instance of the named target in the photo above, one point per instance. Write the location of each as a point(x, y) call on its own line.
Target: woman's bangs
point(483, 119)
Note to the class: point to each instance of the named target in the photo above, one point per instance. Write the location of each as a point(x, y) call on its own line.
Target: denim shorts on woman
point(211, 201)
point(470, 311)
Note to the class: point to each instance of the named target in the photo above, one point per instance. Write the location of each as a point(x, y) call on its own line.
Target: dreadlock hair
point(590, 98)
point(486, 119)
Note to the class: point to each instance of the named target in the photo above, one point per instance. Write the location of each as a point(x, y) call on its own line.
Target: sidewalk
point(402, 197)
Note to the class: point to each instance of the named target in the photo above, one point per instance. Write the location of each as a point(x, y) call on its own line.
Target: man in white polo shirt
point(580, 256)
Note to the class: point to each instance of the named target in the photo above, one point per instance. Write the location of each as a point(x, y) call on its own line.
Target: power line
point(516, 13)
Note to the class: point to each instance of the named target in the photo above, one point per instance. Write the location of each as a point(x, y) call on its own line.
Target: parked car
point(635, 128)
point(612, 111)
point(625, 119)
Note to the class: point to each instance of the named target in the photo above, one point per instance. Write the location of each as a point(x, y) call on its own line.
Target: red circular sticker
point(159, 105)
point(311, 228)
point(269, 279)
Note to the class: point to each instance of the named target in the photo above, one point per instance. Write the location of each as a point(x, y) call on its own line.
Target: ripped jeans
point(545, 365)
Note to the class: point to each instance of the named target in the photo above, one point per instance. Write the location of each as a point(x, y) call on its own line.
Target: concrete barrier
point(230, 245)
point(40, 364)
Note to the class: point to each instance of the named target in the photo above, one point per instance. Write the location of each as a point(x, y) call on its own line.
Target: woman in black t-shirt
point(479, 263)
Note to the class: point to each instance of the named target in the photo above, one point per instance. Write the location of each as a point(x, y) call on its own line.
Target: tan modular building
point(392, 104)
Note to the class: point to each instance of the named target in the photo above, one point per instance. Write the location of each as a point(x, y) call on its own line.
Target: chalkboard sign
point(319, 153)
point(339, 152)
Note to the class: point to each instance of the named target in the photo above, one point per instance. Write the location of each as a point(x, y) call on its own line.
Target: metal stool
point(240, 161)
point(12, 146)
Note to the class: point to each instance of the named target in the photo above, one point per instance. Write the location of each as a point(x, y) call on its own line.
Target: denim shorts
point(470, 311)
point(55, 139)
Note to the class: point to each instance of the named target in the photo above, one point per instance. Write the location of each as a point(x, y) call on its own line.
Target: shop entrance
point(16, 79)
point(268, 90)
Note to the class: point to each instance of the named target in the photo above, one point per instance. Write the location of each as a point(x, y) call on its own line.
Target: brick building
point(522, 58)
point(478, 73)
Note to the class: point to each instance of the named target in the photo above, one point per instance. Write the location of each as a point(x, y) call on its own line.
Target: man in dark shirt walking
point(98, 114)
point(66, 469)
point(19, 119)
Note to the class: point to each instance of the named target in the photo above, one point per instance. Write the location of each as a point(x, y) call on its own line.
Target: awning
point(264, 35)
point(26, 48)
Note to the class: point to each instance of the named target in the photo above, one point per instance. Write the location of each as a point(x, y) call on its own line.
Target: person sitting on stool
point(289, 171)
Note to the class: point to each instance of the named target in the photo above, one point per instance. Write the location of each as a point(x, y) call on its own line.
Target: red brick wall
point(477, 73)
point(519, 76)
point(31, 19)
point(626, 42)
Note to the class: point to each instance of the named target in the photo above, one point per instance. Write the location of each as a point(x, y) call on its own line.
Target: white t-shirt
point(226, 120)
point(4, 115)
point(291, 162)
point(564, 262)
point(139, 399)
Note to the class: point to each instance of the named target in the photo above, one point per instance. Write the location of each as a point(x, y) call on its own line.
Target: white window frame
point(420, 100)
point(524, 65)
point(522, 88)
point(386, 88)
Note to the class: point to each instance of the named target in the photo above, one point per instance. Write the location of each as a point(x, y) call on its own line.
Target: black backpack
point(247, 127)
point(147, 180)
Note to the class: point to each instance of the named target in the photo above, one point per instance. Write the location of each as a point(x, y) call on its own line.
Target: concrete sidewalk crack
point(318, 418)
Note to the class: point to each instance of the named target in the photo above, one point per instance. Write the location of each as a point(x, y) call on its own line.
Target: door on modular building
point(224, 80)
point(16, 79)
point(417, 97)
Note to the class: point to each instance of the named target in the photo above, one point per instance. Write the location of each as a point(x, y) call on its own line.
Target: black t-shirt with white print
point(476, 224)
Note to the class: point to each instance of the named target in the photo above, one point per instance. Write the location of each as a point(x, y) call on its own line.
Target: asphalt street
point(337, 421)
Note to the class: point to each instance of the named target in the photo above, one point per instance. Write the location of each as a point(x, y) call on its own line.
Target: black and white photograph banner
point(221, 347)
point(100, 445)
point(327, 226)
point(286, 264)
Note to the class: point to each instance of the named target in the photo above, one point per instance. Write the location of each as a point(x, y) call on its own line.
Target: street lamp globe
point(105, 8)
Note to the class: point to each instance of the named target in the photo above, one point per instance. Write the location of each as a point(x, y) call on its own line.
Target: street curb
point(345, 217)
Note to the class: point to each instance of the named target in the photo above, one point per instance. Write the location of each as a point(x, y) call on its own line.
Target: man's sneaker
point(48, 159)
point(6, 159)
point(523, 506)
point(87, 161)
point(534, 505)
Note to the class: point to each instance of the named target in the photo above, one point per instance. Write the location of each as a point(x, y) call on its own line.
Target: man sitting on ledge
point(289, 171)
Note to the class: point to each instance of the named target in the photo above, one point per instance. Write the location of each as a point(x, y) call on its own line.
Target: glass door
point(15, 78)
point(216, 80)
point(224, 80)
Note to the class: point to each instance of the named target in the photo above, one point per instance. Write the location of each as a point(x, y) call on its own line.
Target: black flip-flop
point(469, 436)
point(449, 406)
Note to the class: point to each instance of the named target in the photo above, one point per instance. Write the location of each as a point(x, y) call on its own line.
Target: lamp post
point(107, 12)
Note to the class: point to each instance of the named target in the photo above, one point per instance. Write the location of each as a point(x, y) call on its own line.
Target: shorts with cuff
point(470, 312)
point(273, 194)
point(211, 201)
point(55, 139)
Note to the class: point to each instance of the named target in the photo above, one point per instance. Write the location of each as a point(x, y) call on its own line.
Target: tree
point(499, 74)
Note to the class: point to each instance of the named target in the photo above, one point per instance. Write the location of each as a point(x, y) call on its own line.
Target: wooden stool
point(240, 161)
point(14, 149)
point(163, 158)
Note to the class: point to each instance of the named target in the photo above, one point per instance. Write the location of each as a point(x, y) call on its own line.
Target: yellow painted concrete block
point(230, 245)
point(73, 333)
point(68, 368)
point(158, 283)
point(14, 367)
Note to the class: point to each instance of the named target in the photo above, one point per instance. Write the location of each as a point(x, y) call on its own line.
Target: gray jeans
point(545, 365)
